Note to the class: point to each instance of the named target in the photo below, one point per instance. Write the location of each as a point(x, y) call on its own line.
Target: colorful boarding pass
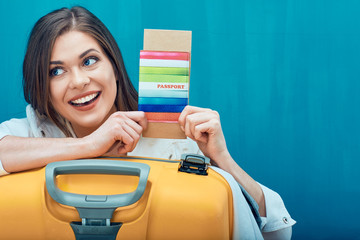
point(163, 84)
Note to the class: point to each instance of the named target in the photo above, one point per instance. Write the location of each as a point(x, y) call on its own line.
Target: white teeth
point(85, 99)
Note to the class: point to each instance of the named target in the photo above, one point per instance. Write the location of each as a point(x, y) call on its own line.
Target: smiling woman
point(82, 82)
point(73, 38)
point(83, 105)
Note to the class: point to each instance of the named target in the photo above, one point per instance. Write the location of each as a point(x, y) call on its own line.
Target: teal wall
point(284, 75)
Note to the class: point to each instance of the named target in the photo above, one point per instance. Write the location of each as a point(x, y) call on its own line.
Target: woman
point(83, 105)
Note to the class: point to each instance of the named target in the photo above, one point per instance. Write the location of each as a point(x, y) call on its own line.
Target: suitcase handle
point(96, 206)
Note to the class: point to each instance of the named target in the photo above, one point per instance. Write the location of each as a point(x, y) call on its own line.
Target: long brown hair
point(37, 58)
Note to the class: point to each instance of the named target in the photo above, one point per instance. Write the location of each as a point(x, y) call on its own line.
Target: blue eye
point(56, 71)
point(90, 61)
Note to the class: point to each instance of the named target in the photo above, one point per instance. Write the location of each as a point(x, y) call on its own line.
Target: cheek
point(112, 89)
point(110, 79)
point(56, 93)
point(114, 86)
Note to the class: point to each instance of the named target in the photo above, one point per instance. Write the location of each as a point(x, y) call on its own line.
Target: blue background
point(283, 74)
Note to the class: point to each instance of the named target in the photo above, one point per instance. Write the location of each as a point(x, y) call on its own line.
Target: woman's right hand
point(118, 135)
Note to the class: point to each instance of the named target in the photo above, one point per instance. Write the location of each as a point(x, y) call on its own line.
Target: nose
point(79, 79)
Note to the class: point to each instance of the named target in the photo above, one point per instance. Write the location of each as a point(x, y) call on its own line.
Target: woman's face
point(82, 82)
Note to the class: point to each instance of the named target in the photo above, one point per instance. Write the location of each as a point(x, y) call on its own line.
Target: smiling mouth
point(85, 100)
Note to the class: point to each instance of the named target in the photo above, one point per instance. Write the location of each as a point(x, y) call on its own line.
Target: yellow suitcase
point(122, 198)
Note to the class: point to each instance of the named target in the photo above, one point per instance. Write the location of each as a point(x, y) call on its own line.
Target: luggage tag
point(194, 163)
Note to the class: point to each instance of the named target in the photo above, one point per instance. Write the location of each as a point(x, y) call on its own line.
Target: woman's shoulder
point(33, 125)
point(15, 126)
point(41, 125)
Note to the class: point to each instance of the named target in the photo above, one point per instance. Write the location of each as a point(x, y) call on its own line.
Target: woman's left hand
point(203, 126)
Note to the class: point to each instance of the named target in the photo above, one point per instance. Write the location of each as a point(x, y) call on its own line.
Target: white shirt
point(276, 225)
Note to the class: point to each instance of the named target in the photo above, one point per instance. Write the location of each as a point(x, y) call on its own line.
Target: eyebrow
point(80, 56)
point(56, 62)
point(87, 51)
